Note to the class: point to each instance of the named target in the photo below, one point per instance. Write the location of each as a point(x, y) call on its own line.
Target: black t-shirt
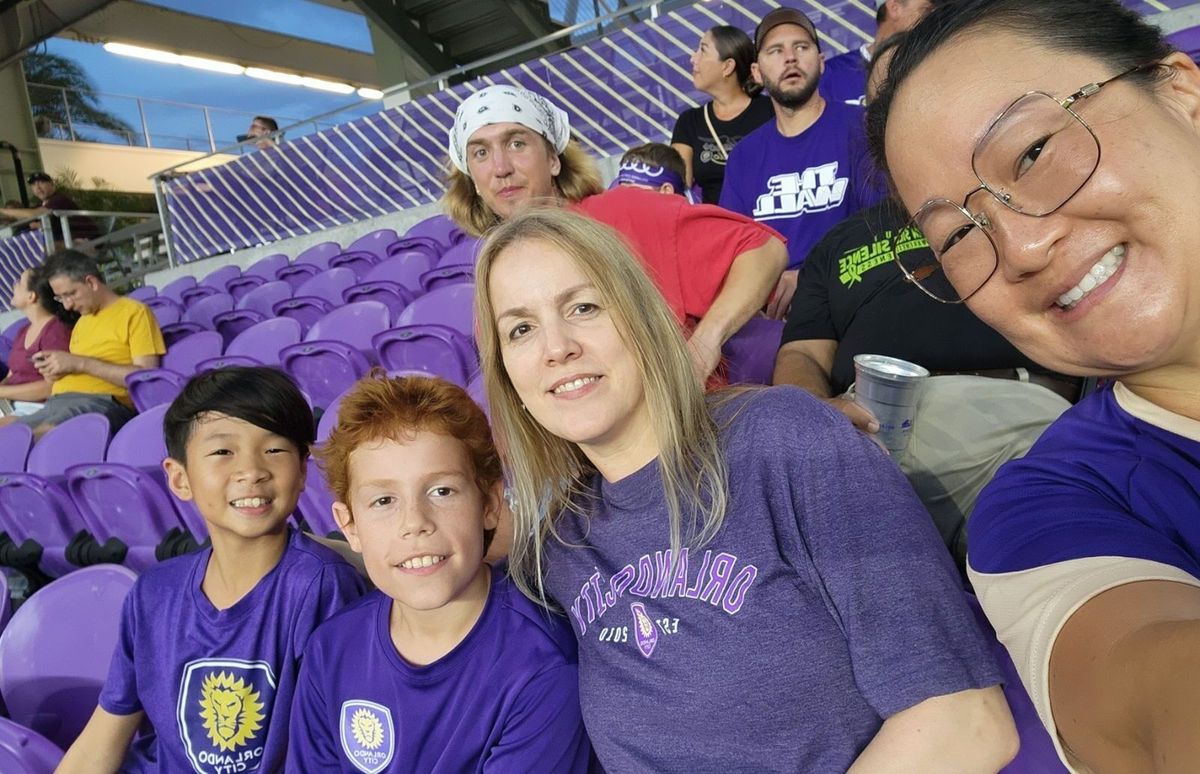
point(708, 166)
point(82, 227)
point(851, 291)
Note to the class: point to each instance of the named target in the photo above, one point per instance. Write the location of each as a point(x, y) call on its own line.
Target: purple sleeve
point(119, 696)
point(732, 198)
point(57, 336)
point(889, 578)
point(337, 586)
point(312, 734)
point(544, 729)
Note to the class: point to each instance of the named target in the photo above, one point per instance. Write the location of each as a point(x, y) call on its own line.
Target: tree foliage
point(50, 109)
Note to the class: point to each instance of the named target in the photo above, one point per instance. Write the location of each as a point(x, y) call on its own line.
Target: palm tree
point(43, 73)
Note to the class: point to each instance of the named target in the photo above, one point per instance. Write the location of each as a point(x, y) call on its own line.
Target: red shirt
point(55, 335)
point(686, 249)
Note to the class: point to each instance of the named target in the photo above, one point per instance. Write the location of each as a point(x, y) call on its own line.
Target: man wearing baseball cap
point(808, 169)
point(845, 78)
point(511, 147)
point(42, 186)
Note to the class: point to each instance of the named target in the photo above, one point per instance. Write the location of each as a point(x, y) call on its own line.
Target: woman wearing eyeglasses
point(1050, 153)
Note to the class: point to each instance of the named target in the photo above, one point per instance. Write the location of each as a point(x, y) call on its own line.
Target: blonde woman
point(725, 570)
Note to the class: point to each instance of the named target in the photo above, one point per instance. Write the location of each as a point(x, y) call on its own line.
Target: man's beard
point(793, 99)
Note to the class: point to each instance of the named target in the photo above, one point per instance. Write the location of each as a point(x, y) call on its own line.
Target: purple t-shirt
point(803, 186)
point(506, 699)
point(216, 685)
point(825, 604)
point(845, 77)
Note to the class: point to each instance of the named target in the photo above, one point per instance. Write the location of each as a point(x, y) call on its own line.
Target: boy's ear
point(493, 504)
point(345, 522)
point(177, 478)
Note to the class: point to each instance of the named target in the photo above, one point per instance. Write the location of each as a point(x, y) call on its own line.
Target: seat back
point(319, 254)
point(316, 502)
point(152, 387)
point(475, 389)
point(305, 310)
point(174, 289)
point(204, 310)
point(375, 242)
point(264, 340)
point(440, 228)
point(15, 442)
point(35, 509)
point(328, 285)
point(55, 652)
point(353, 324)
point(750, 353)
point(263, 298)
point(165, 310)
point(462, 254)
point(266, 267)
point(226, 361)
point(296, 274)
point(358, 261)
point(194, 294)
point(25, 751)
point(143, 293)
point(183, 357)
point(435, 349)
point(232, 323)
point(449, 305)
point(219, 278)
point(323, 369)
point(80, 439)
point(447, 275)
point(140, 441)
point(405, 268)
point(393, 295)
point(238, 287)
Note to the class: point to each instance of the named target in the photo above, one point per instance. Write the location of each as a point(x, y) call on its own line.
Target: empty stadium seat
point(433, 348)
point(328, 285)
point(174, 289)
point(376, 242)
point(358, 261)
point(15, 442)
point(56, 650)
point(226, 361)
point(354, 324)
point(14, 328)
point(463, 253)
point(183, 357)
point(404, 268)
point(448, 305)
point(295, 274)
point(393, 295)
point(319, 254)
point(264, 341)
point(152, 387)
point(219, 278)
point(191, 295)
point(266, 267)
point(142, 293)
point(316, 503)
point(440, 228)
point(204, 310)
point(25, 751)
point(165, 310)
point(240, 286)
point(177, 331)
point(447, 275)
point(305, 310)
point(324, 369)
point(263, 298)
point(230, 324)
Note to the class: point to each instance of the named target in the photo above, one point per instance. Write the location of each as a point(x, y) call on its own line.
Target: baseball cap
point(783, 16)
point(39, 176)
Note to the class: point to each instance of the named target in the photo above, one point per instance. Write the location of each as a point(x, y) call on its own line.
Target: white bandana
point(503, 105)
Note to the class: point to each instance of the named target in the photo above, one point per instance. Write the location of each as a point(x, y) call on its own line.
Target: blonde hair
point(551, 476)
point(577, 178)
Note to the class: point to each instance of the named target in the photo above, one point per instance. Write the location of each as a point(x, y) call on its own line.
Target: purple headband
point(641, 173)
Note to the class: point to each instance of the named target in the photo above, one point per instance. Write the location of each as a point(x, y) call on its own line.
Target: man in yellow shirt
point(115, 336)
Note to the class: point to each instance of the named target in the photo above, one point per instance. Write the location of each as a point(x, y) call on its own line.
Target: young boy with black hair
point(210, 643)
point(447, 667)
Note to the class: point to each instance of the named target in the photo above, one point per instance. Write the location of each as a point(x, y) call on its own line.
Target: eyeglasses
point(69, 295)
point(1033, 158)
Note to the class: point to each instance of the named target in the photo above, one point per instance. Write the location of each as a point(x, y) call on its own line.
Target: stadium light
point(323, 85)
point(369, 93)
point(153, 54)
point(273, 75)
point(211, 65)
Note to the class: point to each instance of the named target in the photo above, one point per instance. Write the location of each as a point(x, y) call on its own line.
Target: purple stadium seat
point(404, 268)
point(240, 286)
point(183, 357)
point(439, 228)
point(477, 392)
point(323, 369)
point(15, 442)
point(264, 340)
point(175, 332)
point(80, 439)
point(422, 249)
point(263, 298)
point(316, 502)
point(306, 310)
point(231, 324)
point(152, 387)
point(142, 293)
point(750, 353)
point(329, 418)
point(266, 267)
point(25, 751)
point(226, 361)
point(393, 295)
point(358, 261)
point(219, 278)
point(463, 253)
point(329, 285)
point(206, 309)
point(448, 305)
point(319, 254)
point(192, 295)
point(433, 348)
point(174, 289)
point(447, 275)
point(376, 242)
point(296, 274)
point(165, 310)
point(352, 324)
point(55, 652)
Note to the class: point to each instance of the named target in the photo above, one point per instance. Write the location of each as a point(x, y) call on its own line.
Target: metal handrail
point(64, 216)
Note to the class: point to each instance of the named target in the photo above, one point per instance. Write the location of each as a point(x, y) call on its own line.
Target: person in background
point(1049, 151)
point(44, 188)
point(510, 147)
point(845, 78)
point(807, 170)
point(653, 166)
point(262, 129)
point(714, 554)
point(705, 135)
point(49, 329)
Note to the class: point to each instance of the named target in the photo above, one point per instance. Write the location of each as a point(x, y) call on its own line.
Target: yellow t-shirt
point(116, 334)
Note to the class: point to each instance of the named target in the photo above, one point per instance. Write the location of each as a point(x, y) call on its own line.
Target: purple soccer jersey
point(845, 77)
point(505, 699)
point(216, 685)
point(825, 604)
point(803, 186)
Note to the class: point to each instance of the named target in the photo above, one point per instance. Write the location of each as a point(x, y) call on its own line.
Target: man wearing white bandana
point(716, 269)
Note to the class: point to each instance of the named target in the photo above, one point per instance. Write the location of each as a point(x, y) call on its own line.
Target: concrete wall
point(123, 167)
point(16, 127)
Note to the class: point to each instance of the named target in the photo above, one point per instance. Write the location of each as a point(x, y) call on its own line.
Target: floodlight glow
point(211, 65)
point(369, 93)
point(153, 54)
point(323, 85)
point(273, 75)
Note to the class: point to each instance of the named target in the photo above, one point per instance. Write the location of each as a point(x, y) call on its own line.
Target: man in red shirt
point(716, 269)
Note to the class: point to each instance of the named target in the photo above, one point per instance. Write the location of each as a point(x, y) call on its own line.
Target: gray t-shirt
point(825, 604)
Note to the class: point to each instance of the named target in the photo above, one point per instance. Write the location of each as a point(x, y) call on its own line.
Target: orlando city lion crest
point(368, 736)
point(223, 711)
